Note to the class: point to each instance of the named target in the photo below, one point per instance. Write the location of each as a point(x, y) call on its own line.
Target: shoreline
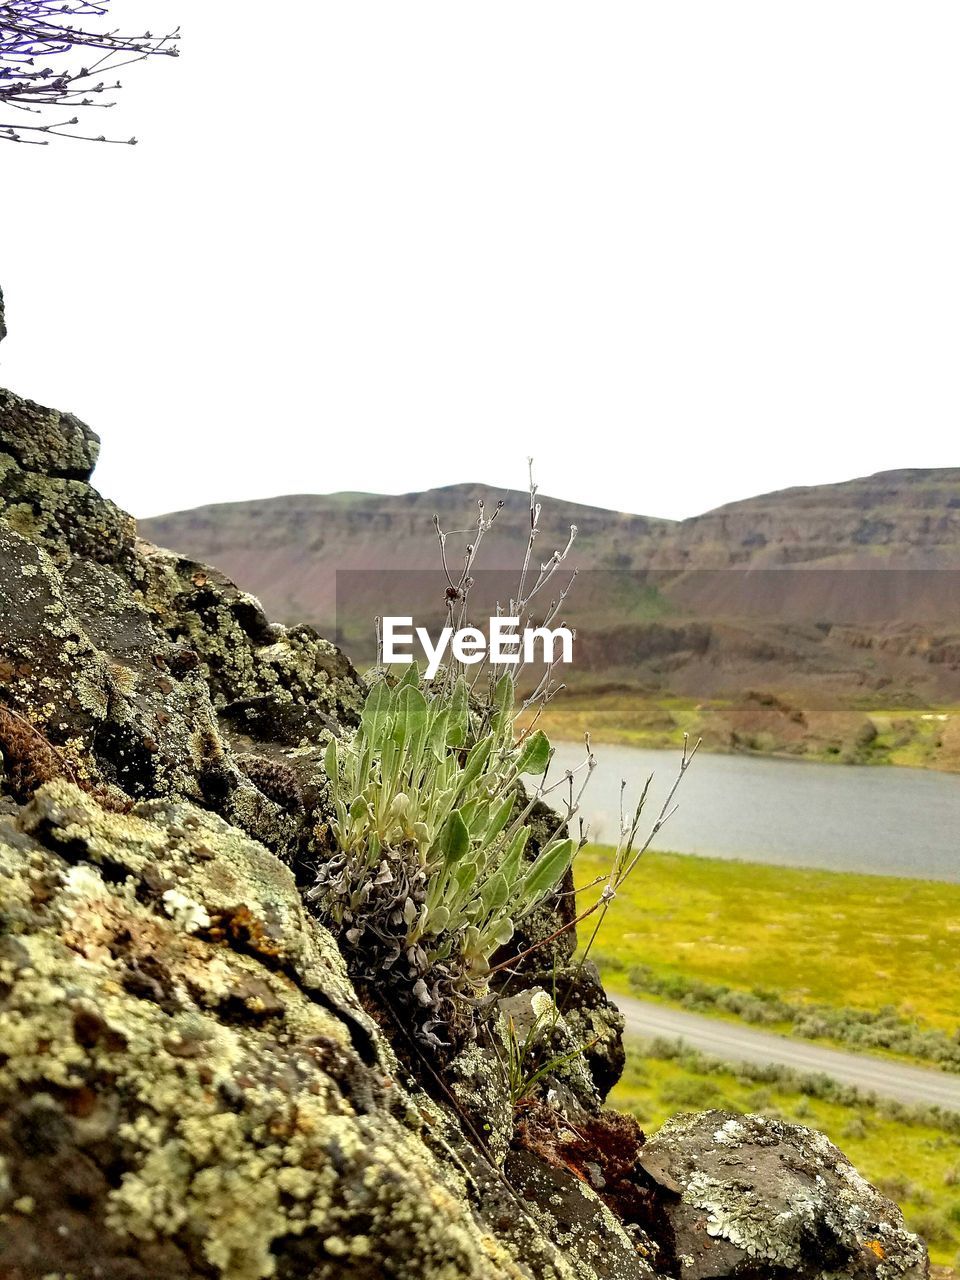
point(760, 725)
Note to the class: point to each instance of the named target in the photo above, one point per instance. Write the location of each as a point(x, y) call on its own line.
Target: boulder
point(747, 1196)
point(47, 441)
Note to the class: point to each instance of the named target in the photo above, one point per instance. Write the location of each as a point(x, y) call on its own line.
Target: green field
point(793, 726)
point(685, 926)
point(855, 960)
point(620, 715)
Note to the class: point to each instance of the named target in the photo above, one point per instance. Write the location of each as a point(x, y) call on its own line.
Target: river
point(881, 819)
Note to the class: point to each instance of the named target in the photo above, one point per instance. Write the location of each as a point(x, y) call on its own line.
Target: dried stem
point(35, 32)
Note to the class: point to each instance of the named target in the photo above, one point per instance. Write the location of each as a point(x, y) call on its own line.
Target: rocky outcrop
point(190, 1085)
point(750, 1196)
point(148, 674)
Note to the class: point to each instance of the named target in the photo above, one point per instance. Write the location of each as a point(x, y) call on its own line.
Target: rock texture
point(190, 1085)
point(756, 1197)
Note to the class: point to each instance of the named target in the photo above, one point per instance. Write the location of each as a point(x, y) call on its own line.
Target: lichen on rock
point(755, 1195)
point(195, 1093)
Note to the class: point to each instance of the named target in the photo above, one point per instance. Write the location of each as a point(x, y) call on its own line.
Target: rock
point(538, 1039)
point(149, 675)
point(197, 1092)
point(46, 441)
point(593, 1018)
point(579, 1222)
point(476, 1077)
point(750, 1196)
point(581, 1180)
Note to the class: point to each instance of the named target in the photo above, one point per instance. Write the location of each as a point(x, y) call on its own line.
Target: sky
point(681, 253)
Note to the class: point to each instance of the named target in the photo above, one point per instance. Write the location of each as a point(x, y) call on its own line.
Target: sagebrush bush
point(430, 875)
point(882, 1028)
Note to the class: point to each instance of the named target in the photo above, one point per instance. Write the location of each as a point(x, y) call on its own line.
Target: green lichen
point(239, 1135)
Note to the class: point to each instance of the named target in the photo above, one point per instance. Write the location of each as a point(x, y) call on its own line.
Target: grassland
point(805, 937)
point(927, 737)
point(912, 1157)
point(621, 715)
point(778, 941)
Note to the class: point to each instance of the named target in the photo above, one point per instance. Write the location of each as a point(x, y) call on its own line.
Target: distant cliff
point(857, 583)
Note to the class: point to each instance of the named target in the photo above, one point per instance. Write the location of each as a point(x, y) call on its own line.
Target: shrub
point(882, 1028)
point(700, 1094)
point(933, 1227)
point(430, 874)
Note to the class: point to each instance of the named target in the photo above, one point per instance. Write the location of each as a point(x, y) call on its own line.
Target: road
point(734, 1043)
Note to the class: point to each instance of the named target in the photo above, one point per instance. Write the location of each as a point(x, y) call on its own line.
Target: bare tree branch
point(37, 33)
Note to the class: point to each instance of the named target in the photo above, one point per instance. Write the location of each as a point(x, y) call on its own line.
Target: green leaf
point(455, 841)
point(548, 869)
point(411, 722)
point(388, 756)
point(535, 754)
point(511, 859)
point(465, 875)
point(437, 734)
point(459, 717)
point(503, 932)
point(376, 712)
point(503, 700)
point(330, 761)
point(358, 810)
point(410, 678)
point(438, 919)
point(495, 893)
point(475, 814)
point(471, 940)
point(500, 818)
point(476, 761)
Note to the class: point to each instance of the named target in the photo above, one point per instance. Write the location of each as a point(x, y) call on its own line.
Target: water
point(884, 820)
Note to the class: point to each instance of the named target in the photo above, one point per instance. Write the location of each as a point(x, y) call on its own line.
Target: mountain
point(910, 518)
point(837, 591)
point(287, 550)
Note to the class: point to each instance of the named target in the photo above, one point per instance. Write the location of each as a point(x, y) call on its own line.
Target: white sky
point(681, 252)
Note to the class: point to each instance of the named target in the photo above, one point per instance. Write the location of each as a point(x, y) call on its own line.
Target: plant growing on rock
point(33, 32)
point(27, 757)
point(530, 1062)
point(430, 874)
